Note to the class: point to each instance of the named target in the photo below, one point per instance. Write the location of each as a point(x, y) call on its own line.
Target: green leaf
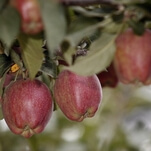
point(16, 58)
point(98, 58)
point(5, 64)
point(83, 28)
point(79, 29)
point(53, 16)
point(9, 26)
point(68, 55)
point(49, 66)
point(128, 2)
point(95, 12)
point(2, 80)
point(80, 24)
point(1, 114)
point(112, 28)
point(32, 53)
point(2, 2)
point(137, 27)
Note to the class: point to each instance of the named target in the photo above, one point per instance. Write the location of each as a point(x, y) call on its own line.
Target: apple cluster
point(27, 105)
point(132, 60)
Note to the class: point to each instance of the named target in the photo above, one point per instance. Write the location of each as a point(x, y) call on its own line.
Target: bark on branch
point(87, 2)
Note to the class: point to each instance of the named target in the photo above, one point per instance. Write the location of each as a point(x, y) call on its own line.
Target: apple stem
point(17, 73)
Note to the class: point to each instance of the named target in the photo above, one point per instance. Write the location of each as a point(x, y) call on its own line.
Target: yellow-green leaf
point(54, 20)
point(9, 26)
point(32, 53)
point(99, 57)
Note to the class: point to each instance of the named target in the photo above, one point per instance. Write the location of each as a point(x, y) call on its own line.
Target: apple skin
point(77, 96)
point(8, 79)
point(27, 107)
point(31, 21)
point(108, 78)
point(132, 59)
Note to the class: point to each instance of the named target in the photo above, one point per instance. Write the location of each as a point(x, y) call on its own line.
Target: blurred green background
point(122, 123)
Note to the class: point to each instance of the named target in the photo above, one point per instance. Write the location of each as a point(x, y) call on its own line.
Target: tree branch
point(87, 2)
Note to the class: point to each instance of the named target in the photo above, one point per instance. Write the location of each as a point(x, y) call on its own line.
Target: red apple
point(62, 62)
point(9, 78)
point(31, 21)
point(27, 107)
point(77, 96)
point(133, 57)
point(108, 78)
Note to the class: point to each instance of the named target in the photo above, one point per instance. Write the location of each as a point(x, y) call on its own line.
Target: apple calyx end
point(85, 115)
point(27, 132)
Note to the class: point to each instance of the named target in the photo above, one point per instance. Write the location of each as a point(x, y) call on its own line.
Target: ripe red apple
point(63, 62)
point(108, 78)
point(31, 21)
point(133, 57)
point(27, 106)
point(9, 77)
point(77, 96)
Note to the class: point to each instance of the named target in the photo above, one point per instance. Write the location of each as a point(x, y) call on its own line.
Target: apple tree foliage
point(88, 27)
